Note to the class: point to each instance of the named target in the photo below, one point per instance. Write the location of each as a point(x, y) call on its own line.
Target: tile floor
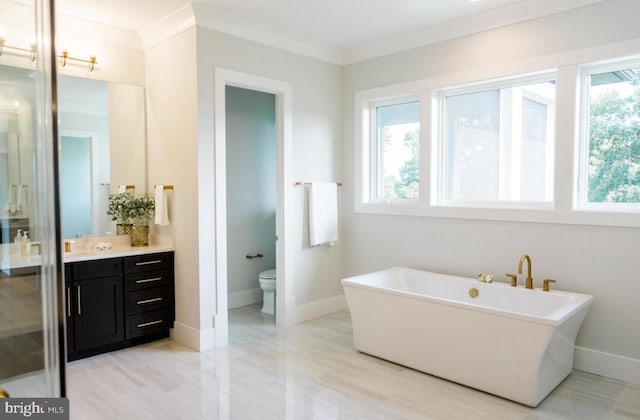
point(309, 371)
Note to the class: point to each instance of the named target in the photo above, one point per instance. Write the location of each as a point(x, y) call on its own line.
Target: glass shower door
point(31, 333)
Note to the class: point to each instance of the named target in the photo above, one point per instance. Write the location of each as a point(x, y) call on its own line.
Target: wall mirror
point(103, 145)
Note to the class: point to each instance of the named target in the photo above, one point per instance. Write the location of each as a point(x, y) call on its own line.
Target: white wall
point(601, 261)
point(172, 159)
point(317, 132)
point(119, 53)
point(251, 191)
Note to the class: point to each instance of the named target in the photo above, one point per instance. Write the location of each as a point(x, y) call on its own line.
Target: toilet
point(267, 281)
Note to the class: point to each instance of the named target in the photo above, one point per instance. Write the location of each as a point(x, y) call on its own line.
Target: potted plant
point(140, 210)
point(119, 211)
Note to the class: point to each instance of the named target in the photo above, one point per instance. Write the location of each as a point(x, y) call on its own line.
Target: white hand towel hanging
point(162, 213)
point(323, 213)
point(12, 195)
point(20, 197)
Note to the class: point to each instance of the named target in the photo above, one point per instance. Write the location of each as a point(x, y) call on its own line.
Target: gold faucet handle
point(545, 284)
point(514, 279)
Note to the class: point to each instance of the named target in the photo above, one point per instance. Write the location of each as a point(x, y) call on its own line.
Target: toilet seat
point(268, 274)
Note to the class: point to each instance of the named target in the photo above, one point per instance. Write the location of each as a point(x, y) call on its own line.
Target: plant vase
point(139, 235)
point(123, 228)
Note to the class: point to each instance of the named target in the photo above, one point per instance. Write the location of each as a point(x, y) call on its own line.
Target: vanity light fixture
point(64, 57)
point(31, 50)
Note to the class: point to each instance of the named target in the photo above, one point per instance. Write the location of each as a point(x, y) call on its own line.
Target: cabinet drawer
point(96, 268)
point(147, 323)
point(147, 300)
point(147, 279)
point(148, 262)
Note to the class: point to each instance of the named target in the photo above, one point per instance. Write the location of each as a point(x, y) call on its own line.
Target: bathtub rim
point(582, 300)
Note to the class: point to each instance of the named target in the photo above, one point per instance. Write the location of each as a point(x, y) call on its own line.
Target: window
point(497, 143)
point(503, 148)
point(610, 166)
point(396, 150)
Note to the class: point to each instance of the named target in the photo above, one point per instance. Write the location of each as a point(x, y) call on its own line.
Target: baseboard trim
point(199, 340)
point(607, 364)
point(245, 297)
point(320, 308)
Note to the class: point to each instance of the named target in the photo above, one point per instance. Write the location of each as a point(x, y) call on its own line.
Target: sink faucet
point(529, 280)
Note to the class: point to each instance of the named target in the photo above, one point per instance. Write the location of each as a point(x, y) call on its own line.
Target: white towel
point(162, 214)
point(323, 213)
point(12, 195)
point(122, 189)
point(20, 196)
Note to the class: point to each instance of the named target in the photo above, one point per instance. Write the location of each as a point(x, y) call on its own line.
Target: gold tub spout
point(529, 280)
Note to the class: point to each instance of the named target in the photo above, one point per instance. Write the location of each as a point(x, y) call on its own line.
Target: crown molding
point(169, 26)
point(504, 16)
point(74, 31)
point(207, 16)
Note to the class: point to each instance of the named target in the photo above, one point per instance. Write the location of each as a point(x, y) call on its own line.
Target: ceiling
point(336, 24)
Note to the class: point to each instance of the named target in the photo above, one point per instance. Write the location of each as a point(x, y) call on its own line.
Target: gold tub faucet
point(529, 280)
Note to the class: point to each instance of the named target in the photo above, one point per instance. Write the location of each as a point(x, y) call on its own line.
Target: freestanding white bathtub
point(511, 342)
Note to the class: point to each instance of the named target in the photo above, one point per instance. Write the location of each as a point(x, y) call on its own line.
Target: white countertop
point(10, 257)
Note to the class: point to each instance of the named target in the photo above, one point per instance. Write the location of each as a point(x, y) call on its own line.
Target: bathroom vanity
point(113, 299)
point(118, 302)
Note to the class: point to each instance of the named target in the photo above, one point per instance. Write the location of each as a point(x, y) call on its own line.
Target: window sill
point(553, 216)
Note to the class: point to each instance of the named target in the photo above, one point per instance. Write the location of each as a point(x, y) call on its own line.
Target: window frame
point(585, 71)
point(483, 86)
point(567, 67)
point(376, 154)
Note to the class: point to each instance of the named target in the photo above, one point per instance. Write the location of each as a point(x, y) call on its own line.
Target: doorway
point(251, 197)
point(283, 129)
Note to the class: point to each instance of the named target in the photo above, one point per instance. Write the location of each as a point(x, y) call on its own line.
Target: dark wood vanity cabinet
point(118, 302)
point(149, 294)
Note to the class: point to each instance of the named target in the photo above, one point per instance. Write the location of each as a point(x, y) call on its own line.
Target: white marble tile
point(308, 371)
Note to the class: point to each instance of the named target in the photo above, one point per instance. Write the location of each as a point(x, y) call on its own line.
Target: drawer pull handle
point(148, 280)
point(149, 262)
point(143, 302)
point(148, 324)
point(69, 302)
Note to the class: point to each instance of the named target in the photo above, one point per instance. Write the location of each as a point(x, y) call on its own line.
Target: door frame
point(93, 144)
point(283, 92)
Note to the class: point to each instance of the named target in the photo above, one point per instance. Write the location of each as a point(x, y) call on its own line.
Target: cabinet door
point(99, 312)
point(68, 312)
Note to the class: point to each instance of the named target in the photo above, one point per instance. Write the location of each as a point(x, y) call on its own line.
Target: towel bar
point(339, 184)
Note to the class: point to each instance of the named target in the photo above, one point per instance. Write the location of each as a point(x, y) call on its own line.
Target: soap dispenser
point(18, 237)
point(25, 244)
